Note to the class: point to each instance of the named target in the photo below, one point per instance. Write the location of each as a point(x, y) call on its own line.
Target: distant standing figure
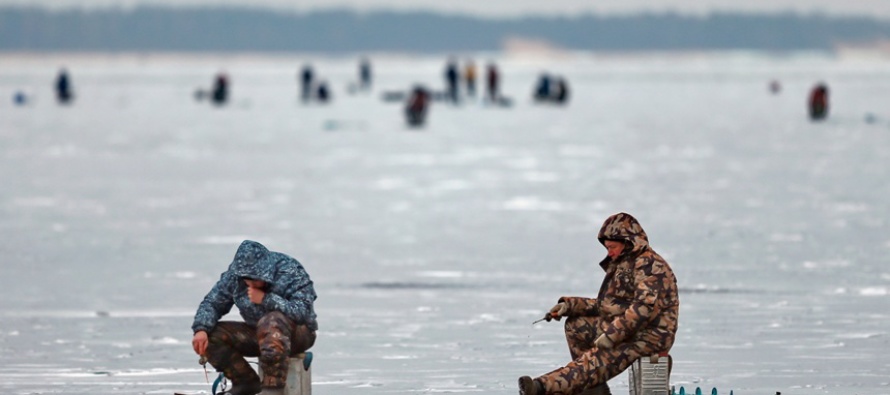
point(364, 71)
point(470, 78)
point(306, 77)
point(819, 102)
point(493, 83)
point(64, 94)
point(415, 109)
point(220, 93)
point(451, 79)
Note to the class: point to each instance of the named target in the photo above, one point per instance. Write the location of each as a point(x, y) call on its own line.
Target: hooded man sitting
point(274, 295)
point(634, 315)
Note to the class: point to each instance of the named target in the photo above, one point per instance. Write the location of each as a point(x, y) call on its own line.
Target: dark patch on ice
point(414, 285)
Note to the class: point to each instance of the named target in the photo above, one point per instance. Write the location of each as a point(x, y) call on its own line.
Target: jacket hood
point(254, 261)
point(624, 228)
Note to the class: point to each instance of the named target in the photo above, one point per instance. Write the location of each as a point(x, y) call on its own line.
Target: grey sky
point(878, 8)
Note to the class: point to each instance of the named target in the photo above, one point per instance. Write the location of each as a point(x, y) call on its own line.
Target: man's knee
point(582, 325)
point(274, 332)
point(272, 319)
point(272, 354)
point(302, 340)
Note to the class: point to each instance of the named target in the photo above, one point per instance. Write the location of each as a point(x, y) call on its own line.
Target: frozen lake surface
point(433, 250)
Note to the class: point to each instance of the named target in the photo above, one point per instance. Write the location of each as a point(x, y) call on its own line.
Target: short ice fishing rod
point(547, 317)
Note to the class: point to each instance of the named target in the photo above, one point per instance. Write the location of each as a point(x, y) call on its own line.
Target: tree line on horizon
point(260, 30)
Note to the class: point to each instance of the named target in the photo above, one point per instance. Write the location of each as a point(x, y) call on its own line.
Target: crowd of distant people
point(548, 88)
point(551, 89)
point(312, 88)
point(453, 81)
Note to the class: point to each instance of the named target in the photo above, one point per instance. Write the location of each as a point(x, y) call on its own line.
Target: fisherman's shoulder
point(285, 263)
point(650, 261)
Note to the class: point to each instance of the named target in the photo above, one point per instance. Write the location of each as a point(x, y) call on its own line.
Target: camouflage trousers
point(273, 340)
point(590, 365)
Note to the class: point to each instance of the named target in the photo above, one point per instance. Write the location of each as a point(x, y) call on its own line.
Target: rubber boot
point(529, 386)
point(602, 389)
point(243, 389)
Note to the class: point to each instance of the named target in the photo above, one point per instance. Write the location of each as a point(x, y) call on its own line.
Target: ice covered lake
point(433, 250)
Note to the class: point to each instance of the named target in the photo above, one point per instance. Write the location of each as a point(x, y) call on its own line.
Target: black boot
point(529, 386)
point(601, 389)
point(251, 388)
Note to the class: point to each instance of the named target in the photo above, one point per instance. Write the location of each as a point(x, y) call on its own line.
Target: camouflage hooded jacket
point(638, 299)
point(288, 289)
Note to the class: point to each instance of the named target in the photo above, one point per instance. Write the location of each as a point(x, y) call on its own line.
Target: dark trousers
point(274, 339)
point(591, 366)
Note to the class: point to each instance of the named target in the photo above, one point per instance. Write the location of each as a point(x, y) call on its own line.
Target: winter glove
point(558, 311)
point(603, 342)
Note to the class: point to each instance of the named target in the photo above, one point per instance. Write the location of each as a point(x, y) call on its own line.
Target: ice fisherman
point(818, 102)
point(364, 73)
point(452, 77)
point(550, 88)
point(220, 93)
point(322, 93)
point(542, 89)
point(470, 77)
point(64, 93)
point(416, 107)
point(634, 315)
point(275, 297)
point(306, 77)
point(562, 91)
point(493, 82)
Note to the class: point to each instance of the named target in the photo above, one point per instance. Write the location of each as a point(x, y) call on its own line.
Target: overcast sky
point(507, 8)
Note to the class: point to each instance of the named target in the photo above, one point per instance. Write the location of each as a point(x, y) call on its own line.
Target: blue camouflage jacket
point(288, 289)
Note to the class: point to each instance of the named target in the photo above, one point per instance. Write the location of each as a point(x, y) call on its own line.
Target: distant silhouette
point(306, 77)
point(775, 87)
point(364, 72)
point(470, 78)
point(220, 93)
point(64, 94)
point(451, 80)
point(19, 98)
point(322, 94)
point(551, 89)
point(818, 104)
point(493, 83)
point(542, 90)
point(562, 91)
point(416, 108)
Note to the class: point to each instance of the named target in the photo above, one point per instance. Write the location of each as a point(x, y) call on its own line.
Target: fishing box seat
point(651, 375)
point(299, 375)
